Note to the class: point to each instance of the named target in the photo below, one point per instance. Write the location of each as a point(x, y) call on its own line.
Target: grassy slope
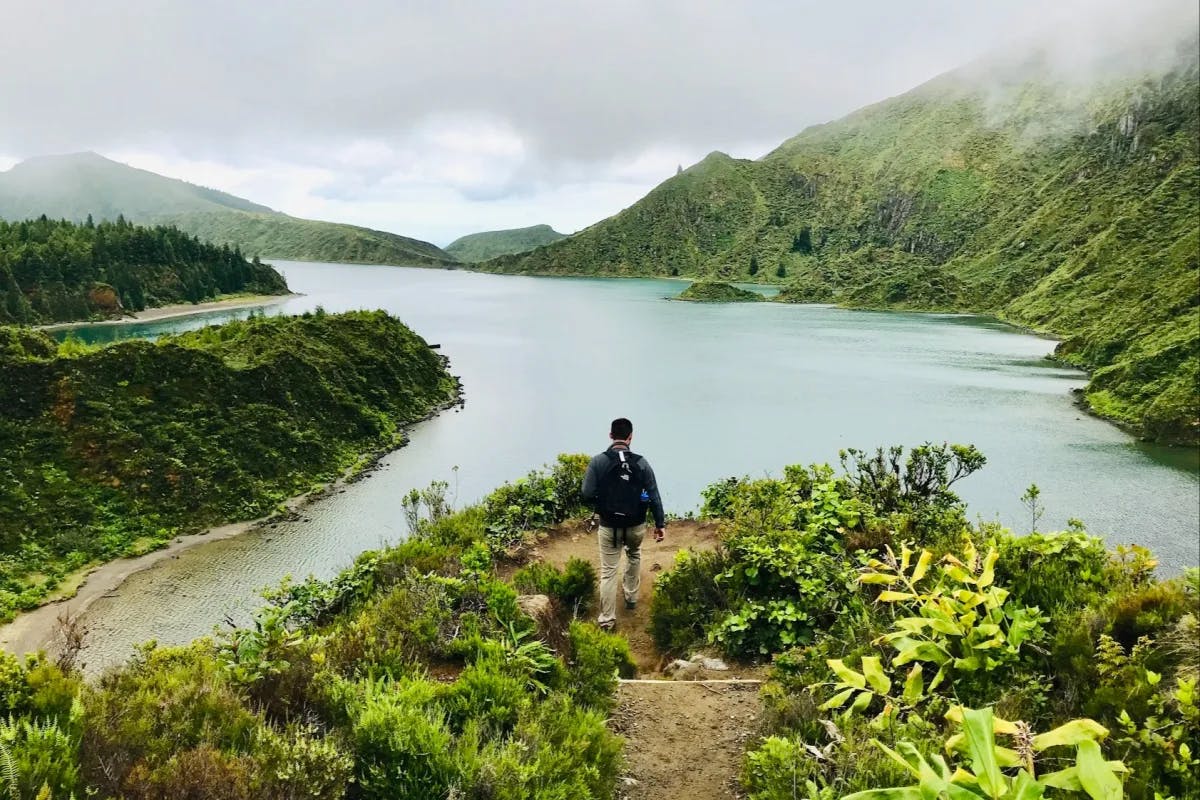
point(121, 446)
point(1071, 211)
point(476, 247)
point(74, 186)
point(280, 236)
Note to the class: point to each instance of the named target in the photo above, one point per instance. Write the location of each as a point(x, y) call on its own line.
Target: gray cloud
point(489, 99)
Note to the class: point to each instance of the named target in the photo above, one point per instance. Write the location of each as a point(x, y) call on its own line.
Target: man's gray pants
point(611, 544)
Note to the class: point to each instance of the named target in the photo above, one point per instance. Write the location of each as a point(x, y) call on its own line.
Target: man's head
point(621, 430)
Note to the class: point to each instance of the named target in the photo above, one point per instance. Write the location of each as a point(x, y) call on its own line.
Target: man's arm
point(591, 482)
point(651, 484)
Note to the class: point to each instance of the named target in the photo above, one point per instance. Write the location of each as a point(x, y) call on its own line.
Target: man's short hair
point(621, 428)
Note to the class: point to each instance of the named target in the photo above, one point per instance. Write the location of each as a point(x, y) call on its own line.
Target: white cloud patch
point(433, 119)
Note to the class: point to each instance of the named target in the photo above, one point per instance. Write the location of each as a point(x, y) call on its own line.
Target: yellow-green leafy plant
point(953, 616)
point(978, 768)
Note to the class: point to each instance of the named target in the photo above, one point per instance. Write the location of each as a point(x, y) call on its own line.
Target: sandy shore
point(180, 310)
point(35, 630)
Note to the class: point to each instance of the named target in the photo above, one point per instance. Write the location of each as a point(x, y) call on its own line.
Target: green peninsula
point(110, 450)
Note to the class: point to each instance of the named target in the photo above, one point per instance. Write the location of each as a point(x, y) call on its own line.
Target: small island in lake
point(716, 292)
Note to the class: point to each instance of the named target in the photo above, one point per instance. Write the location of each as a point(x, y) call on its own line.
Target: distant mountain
point(476, 247)
point(1070, 209)
point(74, 186)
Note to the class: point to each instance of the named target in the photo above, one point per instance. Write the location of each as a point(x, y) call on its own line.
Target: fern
point(8, 771)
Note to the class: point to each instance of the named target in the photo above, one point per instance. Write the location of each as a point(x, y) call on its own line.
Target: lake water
point(713, 390)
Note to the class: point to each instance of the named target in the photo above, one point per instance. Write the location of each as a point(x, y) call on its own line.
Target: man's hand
point(658, 534)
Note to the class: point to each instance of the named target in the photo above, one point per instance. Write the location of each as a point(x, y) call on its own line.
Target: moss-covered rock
point(717, 292)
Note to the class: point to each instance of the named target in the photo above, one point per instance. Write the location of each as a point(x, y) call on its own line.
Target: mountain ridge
point(476, 247)
point(1071, 211)
point(76, 185)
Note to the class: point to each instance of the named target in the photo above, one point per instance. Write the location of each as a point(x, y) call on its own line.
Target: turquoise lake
point(713, 391)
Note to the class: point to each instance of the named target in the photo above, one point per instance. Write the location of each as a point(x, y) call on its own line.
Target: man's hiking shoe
point(607, 626)
point(630, 605)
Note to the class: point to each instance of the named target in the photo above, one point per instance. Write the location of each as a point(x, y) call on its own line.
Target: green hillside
point(57, 271)
point(476, 247)
point(117, 449)
point(81, 184)
point(280, 236)
point(1072, 211)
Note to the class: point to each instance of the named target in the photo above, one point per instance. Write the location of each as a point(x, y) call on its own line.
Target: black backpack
point(620, 497)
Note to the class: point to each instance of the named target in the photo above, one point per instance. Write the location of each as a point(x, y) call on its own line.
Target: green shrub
point(687, 598)
point(14, 684)
point(826, 761)
point(43, 754)
point(1056, 572)
point(414, 621)
point(718, 499)
point(196, 773)
point(783, 589)
point(567, 476)
point(952, 620)
point(534, 502)
point(597, 660)
point(52, 692)
point(1148, 610)
point(456, 531)
point(403, 750)
point(163, 702)
point(574, 586)
point(300, 765)
point(558, 751)
point(488, 693)
point(778, 768)
point(1030, 770)
point(315, 602)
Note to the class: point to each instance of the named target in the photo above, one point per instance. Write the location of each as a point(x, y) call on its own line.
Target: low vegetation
point(717, 292)
point(113, 450)
point(913, 655)
point(414, 674)
point(56, 271)
point(913, 649)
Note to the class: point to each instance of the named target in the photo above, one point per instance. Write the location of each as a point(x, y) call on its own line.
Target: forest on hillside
point(58, 271)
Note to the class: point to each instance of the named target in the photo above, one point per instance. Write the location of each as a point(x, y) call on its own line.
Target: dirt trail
point(684, 740)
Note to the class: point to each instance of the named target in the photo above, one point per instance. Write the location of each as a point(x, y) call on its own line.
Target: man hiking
point(620, 486)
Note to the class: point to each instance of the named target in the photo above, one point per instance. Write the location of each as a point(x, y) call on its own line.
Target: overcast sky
point(435, 119)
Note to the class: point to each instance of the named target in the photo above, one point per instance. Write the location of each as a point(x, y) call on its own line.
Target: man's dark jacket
point(601, 464)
